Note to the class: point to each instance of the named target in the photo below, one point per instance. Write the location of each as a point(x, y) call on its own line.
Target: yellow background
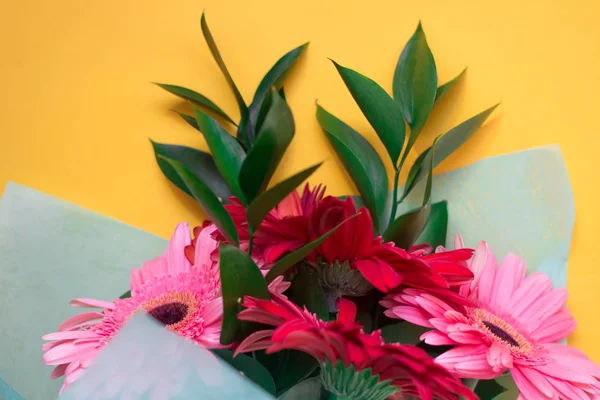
point(77, 109)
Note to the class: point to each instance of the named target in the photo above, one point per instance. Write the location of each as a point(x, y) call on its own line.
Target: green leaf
point(211, 204)
point(189, 119)
point(265, 202)
point(311, 388)
point(403, 332)
point(442, 90)
point(360, 160)
point(447, 144)
point(199, 163)
point(240, 277)
point(293, 258)
point(381, 111)
point(405, 230)
point(436, 228)
point(488, 389)
point(251, 368)
point(226, 151)
point(217, 56)
point(126, 295)
point(296, 367)
point(274, 77)
point(196, 98)
point(306, 291)
point(263, 158)
point(415, 84)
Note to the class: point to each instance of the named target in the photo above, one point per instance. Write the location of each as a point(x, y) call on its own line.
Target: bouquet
point(309, 295)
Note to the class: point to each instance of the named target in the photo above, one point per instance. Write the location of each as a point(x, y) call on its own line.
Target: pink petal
point(528, 292)
point(70, 335)
point(205, 247)
point(92, 303)
point(175, 255)
point(557, 327)
point(464, 338)
point(538, 380)
point(436, 338)
point(213, 311)
point(547, 305)
point(526, 387)
point(508, 277)
point(410, 314)
point(432, 307)
point(79, 318)
point(478, 369)
point(58, 371)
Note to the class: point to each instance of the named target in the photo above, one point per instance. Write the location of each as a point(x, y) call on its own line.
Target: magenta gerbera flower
point(183, 297)
point(514, 324)
point(354, 364)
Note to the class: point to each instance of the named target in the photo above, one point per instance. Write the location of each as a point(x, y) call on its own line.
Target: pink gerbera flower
point(355, 365)
point(515, 323)
point(182, 296)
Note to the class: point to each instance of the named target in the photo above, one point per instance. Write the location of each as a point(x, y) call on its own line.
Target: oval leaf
point(293, 258)
point(306, 291)
point(415, 83)
point(199, 163)
point(250, 368)
point(210, 41)
point(274, 77)
point(264, 203)
point(271, 143)
point(196, 98)
point(405, 230)
point(226, 151)
point(360, 160)
point(210, 203)
point(436, 228)
point(442, 90)
point(446, 145)
point(379, 108)
point(240, 277)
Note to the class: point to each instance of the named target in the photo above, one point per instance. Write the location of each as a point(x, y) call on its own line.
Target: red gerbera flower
point(352, 261)
point(344, 349)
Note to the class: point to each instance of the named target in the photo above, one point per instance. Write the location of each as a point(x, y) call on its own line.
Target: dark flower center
point(170, 313)
point(501, 334)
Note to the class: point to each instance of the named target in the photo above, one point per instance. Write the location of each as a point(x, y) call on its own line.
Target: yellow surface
point(77, 109)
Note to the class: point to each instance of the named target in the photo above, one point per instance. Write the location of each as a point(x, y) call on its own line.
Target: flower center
point(498, 330)
point(170, 313)
point(340, 279)
point(172, 308)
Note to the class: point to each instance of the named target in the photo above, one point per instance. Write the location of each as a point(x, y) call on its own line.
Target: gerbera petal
point(436, 338)
point(557, 327)
point(411, 314)
point(371, 271)
point(547, 305)
point(487, 277)
point(508, 277)
point(92, 303)
point(175, 255)
point(70, 335)
point(528, 292)
point(526, 387)
point(256, 341)
point(347, 311)
point(78, 319)
point(205, 247)
point(58, 371)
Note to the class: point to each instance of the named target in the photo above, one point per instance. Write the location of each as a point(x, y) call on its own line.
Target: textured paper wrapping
point(519, 202)
point(52, 251)
point(147, 362)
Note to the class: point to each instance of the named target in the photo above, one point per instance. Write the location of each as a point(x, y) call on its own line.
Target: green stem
point(250, 240)
point(395, 195)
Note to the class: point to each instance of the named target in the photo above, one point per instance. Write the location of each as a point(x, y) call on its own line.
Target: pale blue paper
point(52, 251)
point(147, 362)
point(519, 202)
